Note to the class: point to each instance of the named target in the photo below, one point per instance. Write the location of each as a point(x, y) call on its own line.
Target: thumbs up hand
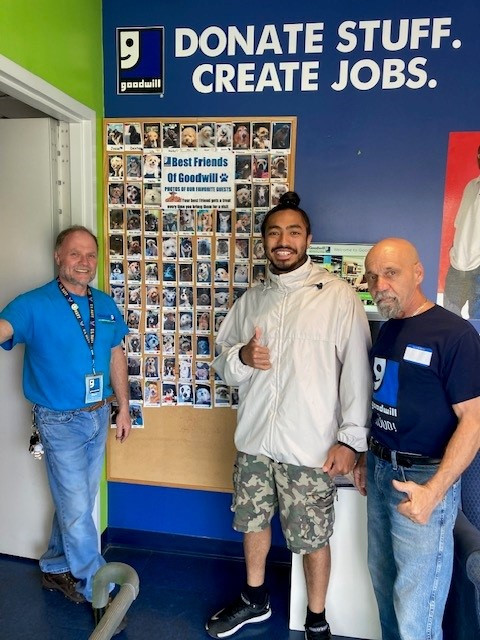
point(253, 354)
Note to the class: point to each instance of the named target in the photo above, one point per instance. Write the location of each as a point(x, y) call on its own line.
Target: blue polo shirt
point(57, 357)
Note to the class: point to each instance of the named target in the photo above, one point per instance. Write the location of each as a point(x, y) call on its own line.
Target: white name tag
point(418, 355)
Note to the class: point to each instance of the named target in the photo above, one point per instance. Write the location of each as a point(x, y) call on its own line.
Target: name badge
point(418, 355)
point(93, 387)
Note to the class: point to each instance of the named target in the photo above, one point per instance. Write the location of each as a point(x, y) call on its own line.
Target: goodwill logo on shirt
point(385, 392)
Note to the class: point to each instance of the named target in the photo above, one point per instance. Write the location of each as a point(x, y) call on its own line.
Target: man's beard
point(388, 307)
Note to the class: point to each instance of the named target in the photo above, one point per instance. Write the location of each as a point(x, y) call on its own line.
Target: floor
point(178, 592)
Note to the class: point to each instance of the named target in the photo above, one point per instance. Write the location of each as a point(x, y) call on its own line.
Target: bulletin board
point(184, 203)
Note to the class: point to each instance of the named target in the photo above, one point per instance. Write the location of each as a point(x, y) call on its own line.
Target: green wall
point(61, 42)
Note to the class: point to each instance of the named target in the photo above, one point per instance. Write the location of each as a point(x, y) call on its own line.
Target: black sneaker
point(228, 621)
point(65, 583)
point(319, 632)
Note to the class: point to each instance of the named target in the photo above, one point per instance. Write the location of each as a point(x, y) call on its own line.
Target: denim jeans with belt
point(410, 564)
point(74, 443)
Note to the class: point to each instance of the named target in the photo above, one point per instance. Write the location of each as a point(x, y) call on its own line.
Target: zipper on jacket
point(277, 368)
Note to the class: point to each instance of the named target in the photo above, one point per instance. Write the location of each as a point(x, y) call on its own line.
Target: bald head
point(394, 275)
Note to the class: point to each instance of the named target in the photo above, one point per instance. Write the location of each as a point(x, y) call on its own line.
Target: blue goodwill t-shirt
point(57, 357)
point(421, 367)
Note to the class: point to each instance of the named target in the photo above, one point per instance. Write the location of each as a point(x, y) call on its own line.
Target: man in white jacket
point(297, 348)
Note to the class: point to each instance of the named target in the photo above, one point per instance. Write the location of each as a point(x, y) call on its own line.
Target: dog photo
point(238, 292)
point(169, 247)
point(118, 294)
point(171, 135)
point(185, 394)
point(134, 194)
point(223, 134)
point(206, 135)
point(243, 196)
point(152, 168)
point(185, 345)
point(202, 371)
point(260, 167)
point(222, 248)
point(188, 136)
point(258, 250)
point(134, 167)
point(151, 221)
point(204, 273)
point(114, 135)
point(169, 272)
point(133, 319)
point(168, 344)
point(261, 195)
point(187, 220)
point(115, 219)
point(135, 389)
point(151, 272)
point(152, 393)
point(185, 322)
point(240, 273)
point(243, 224)
point(186, 248)
point(204, 297)
point(222, 395)
point(169, 394)
point(281, 135)
point(168, 369)
point(241, 135)
point(203, 321)
point(134, 295)
point(242, 248)
point(169, 221)
point(133, 344)
point(204, 221)
point(221, 272)
point(243, 167)
point(134, 364)
point(203, 396)
point(133, 271)
point(258, 218)
point(151, 367)
point(169, 321)
point(151, 248)
point(278, 189)
point(224, 222)
point(116, 245)
point(185, 368)
point(279, 167)
point(261, 135)
point(221, 297)
point(133, 220)
point(132, 135)
point(151, 135)
point(185, 298)
point(185, 271)
point(116, 273)
point(219, 317)
point(152, 319)
point(259, 274)
point(116, 194)
point(136, 415)
point(134, 247)
point(152, 194)
point(153, 297)
point(115, 167)
point(169, 297)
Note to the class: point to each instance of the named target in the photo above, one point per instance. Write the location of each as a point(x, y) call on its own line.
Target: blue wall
point(369, 163)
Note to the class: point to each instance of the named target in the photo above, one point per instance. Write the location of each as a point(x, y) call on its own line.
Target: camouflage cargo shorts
point(303, 496)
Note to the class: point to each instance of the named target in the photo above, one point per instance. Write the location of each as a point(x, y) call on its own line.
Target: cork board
point(184, 201)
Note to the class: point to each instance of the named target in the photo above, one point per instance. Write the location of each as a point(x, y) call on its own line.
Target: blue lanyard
point(90, 336)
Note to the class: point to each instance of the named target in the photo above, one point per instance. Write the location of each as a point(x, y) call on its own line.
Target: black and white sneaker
point(228, 621)
point(319, 632)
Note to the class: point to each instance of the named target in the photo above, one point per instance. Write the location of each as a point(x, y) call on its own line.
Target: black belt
point(403, 459)
point(99, 404)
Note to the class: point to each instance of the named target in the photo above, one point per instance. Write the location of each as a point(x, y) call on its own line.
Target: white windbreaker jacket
point(317, 391)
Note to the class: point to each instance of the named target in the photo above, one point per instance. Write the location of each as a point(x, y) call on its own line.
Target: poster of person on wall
point(459, 269)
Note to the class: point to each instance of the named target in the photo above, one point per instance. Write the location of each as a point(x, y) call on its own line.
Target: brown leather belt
point(99, 404)
point(403, 459)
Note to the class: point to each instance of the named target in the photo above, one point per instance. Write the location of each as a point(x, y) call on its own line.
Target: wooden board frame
point(178, 446)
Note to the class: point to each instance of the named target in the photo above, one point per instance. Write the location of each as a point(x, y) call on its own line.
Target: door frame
point(39, 94)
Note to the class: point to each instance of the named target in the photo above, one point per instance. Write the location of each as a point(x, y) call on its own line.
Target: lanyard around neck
point(90, 335)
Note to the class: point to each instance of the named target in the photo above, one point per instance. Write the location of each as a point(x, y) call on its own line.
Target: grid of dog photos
point(174, 272)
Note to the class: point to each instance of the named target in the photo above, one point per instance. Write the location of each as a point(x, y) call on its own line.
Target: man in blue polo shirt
point(425, 431)
point(73, 364)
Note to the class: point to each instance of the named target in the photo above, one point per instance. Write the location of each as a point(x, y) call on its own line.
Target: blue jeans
point(410, 564)
point(74, 443)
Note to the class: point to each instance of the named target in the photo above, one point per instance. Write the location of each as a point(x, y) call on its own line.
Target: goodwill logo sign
point(140, 60)
point(197, 179)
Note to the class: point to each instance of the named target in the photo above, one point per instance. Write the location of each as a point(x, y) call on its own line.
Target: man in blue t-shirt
point(73, 364)
point(425, 430)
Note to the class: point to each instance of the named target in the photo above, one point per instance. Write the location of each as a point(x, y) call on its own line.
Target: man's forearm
point(119, 377)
